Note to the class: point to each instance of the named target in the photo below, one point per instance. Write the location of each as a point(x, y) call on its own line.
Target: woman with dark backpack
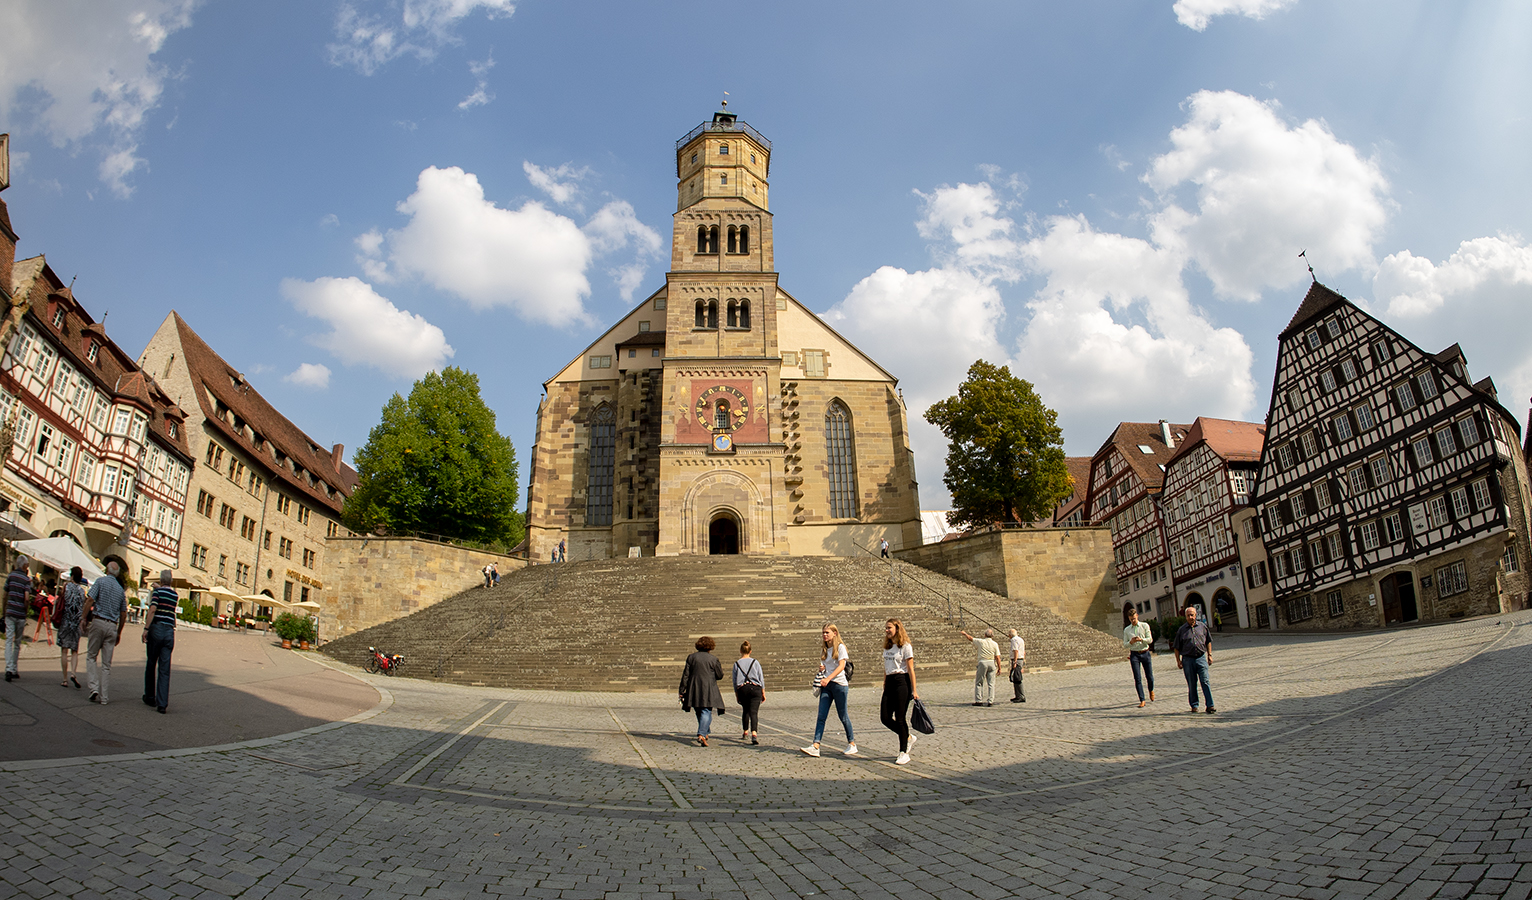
point(749, 690)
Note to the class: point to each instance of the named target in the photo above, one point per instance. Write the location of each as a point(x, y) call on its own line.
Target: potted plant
point(290, 628)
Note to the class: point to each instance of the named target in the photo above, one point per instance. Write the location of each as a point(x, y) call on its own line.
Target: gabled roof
point(215, 381)
point(1232, 441)
point(1131, 437)
point(1316, 303)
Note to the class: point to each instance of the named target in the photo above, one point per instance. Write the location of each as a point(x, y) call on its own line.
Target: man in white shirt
point(1018, 666)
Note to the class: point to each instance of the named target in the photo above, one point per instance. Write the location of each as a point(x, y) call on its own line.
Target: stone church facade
point(721, 415)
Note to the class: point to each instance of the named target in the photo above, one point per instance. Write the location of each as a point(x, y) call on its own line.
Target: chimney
point(1165, 434)
point(335, 453)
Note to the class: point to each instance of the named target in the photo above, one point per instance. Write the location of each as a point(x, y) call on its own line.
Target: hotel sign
point(304, 579)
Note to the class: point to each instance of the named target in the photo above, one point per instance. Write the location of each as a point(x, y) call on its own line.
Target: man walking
point(1018, 666)
point(883, 547)
point(18, 589)
point(1193, 647)
point(988, 664)
point(104, 617)
point(160, 636)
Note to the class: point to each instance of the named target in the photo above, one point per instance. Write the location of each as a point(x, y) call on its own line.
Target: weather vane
point(1304, 255)
point(725, 99)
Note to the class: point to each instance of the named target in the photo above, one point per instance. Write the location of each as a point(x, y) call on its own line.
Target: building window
point(1393, 528)
point(1333, 546)
point(309, 557)
point(1327, 381)
point(198, 557)
point(1460, 502)
point(1404, 396)
point(1481, 497)
point(1333, 326)
point(1356, 479)
point(1427, 386)
point(600, 362)
point(1421, 447)
point(1249, 529)
point(1369, 534)
point(1508, 562)
point(1381, 352)
point(813, 364)
point(723, 149)
point(1452, 579)
point(1285, 458)
point(603, 452)
point(1348, 370)
point(1313, 339)
point(707, 314)
point(1262, 616)
point(1436, 509)
point(266, 542)
point(223, 565)
point(1444, 442)
point(1468, 431)
point(1310, 446)
point(1300, 608)
point(1336, 604)
point(1380, 472)
point(1364, 418)
point(723, 178)
point(840, 458)
point(285, 548)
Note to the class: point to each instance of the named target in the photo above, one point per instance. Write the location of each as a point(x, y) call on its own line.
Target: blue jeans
point(704, 721)
point(1142, 659)
point(15, 627)
point(162, 640)
point(1196, 670)
point(838, 693)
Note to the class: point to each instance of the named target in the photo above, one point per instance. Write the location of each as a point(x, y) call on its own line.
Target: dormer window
point(58, 315)
point(92, 350)
point(170, 429)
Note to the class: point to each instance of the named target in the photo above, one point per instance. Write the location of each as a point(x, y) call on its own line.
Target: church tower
point(721, 415)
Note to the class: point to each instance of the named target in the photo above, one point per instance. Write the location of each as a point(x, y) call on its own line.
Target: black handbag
point(1015, 674)
point(920, 720)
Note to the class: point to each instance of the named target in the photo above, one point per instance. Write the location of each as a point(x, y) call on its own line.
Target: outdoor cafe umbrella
point(61, 553)
point(263, 600)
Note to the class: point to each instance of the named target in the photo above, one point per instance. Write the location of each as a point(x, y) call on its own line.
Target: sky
point(1108, 196)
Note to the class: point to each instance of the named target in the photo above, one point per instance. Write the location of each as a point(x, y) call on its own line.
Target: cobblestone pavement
point(1378, 765)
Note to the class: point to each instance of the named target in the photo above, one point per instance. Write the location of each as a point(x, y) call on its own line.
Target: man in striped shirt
point(160, 636)
point(18, 588)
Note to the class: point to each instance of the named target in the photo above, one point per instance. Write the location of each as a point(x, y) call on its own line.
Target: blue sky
point(1108, 196)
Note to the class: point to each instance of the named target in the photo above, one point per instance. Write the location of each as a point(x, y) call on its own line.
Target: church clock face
point(722, 408)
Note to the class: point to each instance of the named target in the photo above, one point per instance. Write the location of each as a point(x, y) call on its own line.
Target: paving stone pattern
point(1390, 764)
point(628, 624)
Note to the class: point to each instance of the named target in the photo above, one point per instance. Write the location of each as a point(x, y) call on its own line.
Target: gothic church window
point(840, 461)
point(603, 454)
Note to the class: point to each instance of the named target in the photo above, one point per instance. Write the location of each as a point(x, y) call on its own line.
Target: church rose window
point(840, 457)
point(603, 453)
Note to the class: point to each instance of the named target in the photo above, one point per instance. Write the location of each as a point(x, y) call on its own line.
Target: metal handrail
point(489, 625)
point(719, 126)
point(896, 575)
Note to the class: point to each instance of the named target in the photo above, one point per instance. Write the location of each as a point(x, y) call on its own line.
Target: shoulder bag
point(920, 720)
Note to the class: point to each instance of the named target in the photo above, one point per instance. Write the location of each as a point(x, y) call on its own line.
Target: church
point(721, 415)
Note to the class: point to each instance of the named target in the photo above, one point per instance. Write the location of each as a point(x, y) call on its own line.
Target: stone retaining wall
point(372, 580)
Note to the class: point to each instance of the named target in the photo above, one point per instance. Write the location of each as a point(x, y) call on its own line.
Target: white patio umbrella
point(263, 600)
point(61, 553)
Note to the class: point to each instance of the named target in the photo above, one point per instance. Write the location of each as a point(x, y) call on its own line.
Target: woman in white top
point(833, 686)
point(1137, 637)
point(898, 685)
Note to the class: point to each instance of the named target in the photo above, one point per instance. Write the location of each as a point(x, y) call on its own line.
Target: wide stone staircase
point(628, 624)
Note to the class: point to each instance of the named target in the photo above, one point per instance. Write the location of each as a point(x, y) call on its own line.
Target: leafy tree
point(436, 464)
point(1005, 451)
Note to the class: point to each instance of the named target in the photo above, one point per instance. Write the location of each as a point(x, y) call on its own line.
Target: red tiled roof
point(1315, 303)
point(1129, 436)
point(218, 382)
point(1079, 473)
point(1231, 440)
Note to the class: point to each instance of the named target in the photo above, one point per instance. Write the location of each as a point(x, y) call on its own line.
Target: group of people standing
point(98, 614)
point(700, 694)
point(1192, 646)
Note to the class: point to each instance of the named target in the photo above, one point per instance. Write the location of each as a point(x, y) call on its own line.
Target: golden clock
point(730, 400)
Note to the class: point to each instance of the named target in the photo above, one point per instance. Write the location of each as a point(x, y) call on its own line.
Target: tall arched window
point(744, 313)
point(701, 238)
point(840, 459)
point(712, 314)
point(603, 455)
point(712, 239)
point(701, 314)
point(733, 239)
point(733, 314)
point(744, 239)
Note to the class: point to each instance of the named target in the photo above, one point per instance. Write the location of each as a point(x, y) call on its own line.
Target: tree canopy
point(435, 464)
point(1005, 451)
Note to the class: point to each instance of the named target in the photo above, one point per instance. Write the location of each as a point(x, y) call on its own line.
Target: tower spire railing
point(735, 127)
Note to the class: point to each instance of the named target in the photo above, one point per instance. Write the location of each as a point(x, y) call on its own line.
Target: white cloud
point(367, 41)
point(1264, 191)
point(1487, 279)
point(481, 94)
point(329, 220)
point(367, 329)
point(561, 184)
point(1196, 14)
point(81, 72)
point(310, 375)
point(615, 227)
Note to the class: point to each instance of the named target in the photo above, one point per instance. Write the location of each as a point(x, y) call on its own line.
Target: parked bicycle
point(387, 663)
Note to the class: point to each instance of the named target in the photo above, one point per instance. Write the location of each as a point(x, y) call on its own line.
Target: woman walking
point(1137, 637)
point(699, 687)
point(898, 685)
point(833, 687)
point(749, 690)
point(72, 603)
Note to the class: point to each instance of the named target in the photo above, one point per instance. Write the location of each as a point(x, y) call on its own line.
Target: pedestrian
point(699, 687)
point(104, 618)
point(883, 548)
point(487, 579)
point(1138, 639)
point(898, 686)
point(1193, 645)
point(749, 690)
point(988, 664)
point(494, 572)
point(1018, 666)
point(71, 609)
point(18, 590)
point(833, 687)
point(160, 638)
point(561, 549)
point(45, 602)
point(1218, 621)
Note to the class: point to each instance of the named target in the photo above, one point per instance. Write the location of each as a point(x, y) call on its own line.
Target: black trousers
point(750, 709)
point(896, 703)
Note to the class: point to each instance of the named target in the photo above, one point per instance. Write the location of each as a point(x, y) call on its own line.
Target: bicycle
point(387, 663)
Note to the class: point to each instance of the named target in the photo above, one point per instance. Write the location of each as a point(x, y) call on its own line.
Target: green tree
point(435, 464)
point(1005, 451)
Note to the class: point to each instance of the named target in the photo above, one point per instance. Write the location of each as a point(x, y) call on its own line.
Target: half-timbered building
point(1392, 487)
point(1207, 481)
point(1126, 477)
point(1070, 511)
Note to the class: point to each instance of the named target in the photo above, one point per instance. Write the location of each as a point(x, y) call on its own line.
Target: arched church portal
point(723, 534)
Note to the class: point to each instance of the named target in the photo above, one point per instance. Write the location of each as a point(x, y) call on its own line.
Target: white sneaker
point(810, 750)
point(903, 760)
point(914, 736)
point(851, 750)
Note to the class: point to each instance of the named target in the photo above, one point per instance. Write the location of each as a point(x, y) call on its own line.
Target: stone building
point(721, 415)
point(94, 449)
point(1392, 487)
point(264, 496)
point(1126, 477)
point(1208, 480)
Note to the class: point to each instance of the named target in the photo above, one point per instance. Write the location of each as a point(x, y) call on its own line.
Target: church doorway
point(1399, 598)
point(723, 535)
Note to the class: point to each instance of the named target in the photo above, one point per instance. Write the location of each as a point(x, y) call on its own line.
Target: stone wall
point(1065, 570)
point(372, 580)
